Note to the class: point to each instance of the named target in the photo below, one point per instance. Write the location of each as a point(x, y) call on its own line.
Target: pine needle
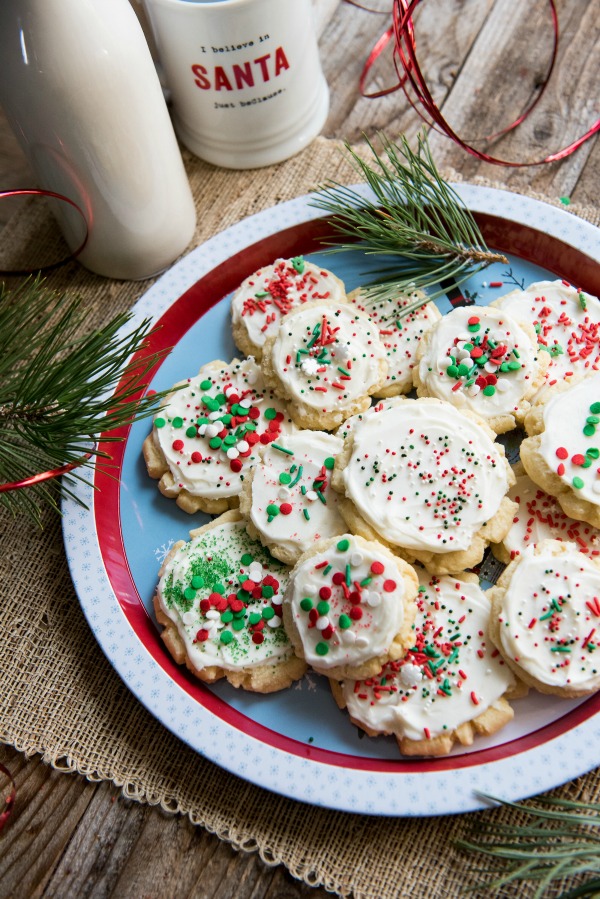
point(416, 220)
point(60, 388)
point(561, 840)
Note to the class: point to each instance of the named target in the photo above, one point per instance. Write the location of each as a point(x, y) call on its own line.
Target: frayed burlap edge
point(60, 698)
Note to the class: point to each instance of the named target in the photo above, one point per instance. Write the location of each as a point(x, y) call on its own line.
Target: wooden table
point(484, 60)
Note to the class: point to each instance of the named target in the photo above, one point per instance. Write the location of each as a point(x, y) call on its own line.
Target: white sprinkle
point(356, 558)
point(243, 446)
point(411, 675)
point(213, 615)
point(275, 621)
point(188, 617)
point(322, 622)
point(233, 452)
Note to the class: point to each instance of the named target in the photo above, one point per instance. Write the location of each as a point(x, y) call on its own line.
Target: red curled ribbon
point(43, 476)
point(409, 73)
point(38, 192)
point(9, 802)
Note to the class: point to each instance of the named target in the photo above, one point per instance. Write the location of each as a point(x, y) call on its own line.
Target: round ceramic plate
point(297, 742)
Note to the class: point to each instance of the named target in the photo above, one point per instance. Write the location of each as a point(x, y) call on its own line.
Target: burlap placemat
point(60, 697)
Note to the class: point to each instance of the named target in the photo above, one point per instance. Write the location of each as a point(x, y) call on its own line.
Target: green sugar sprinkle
point(159, 422)
point(343, 545)
point(344, 621)
point(205, 385)
point(226, 637)
point(321, 649)
point(306, 604)
point(329, 463)
point(578, 483)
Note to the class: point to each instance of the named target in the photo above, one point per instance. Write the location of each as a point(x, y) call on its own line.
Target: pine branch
point(59, 389)
point(561, 841)
point(416, 220)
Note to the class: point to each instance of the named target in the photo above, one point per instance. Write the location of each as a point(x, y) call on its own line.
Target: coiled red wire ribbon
point(414, 86)
point(9, 801)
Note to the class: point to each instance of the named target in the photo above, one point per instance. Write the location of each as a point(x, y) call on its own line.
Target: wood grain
point(484, 60)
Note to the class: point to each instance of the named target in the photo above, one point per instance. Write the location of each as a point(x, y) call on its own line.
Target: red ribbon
point(9, 802)
point(38, 192)
point(410, 74)
point(43, 476)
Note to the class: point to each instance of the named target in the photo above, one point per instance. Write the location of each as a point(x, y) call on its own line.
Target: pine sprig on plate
point(57, 390)
point(415, 217)
point(560, 840)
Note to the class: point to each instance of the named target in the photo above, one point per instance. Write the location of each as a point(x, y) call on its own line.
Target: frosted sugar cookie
point(348, 607)
point(450, 685)
point(546, 618)
point(567, 322)
point(219, 600)
point(482, 359)
point(326, 360)
point(261, 300)
point(429, 481)
point(287, 498)
point(402, 321)
point(206, 435)
point(562, 451)
point(539, 517)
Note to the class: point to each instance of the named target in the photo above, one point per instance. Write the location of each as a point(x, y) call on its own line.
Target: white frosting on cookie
point(328, 356)
point(274, 290)
point(211, 429)
point(347, 603)
point(402, 321)
point(224, 591)
point(450, 675)
point(540, 517)
point(293, 505)
point(425, 476)
point(570, 442)
point(480, 358)
point(567, 321)
point(550, 616)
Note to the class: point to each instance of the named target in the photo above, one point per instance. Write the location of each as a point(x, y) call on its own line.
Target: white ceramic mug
point(245, 77)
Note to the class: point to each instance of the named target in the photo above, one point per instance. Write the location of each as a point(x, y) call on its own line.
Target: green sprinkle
point(285, 478)
point(329, 463)
point(593, 419)
point(227, 616)
point(270, 413)
point(489, 390)
point(595, 408)
point(272, 510)
point(298, 263)
point(321, 649)
point(215, 442)
point(306, 514)
point(463, 370)
point(189, 594)
point(197, 582)
point(219, 588)
point(514, 366)
point(578, 483)
point(238, 623)
point(323, 607)
point(306, 604)
point(191, 431)
point(205, 385)
point(247, 559)
point(267, 591)
point(226, 637)
point(565, 201)
point(452, 371)
point(268, 613)
point(348, 576)
point(177, 422)
point(560, 649)
point(281, 449)
point(582, 300)
point(593, 452)
point(344, 621)
point(254, 618)
point(159, 422)
point(261, 293)
point(343, 545)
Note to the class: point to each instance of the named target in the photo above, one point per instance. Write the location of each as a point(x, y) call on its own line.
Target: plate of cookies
point(354, 557)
